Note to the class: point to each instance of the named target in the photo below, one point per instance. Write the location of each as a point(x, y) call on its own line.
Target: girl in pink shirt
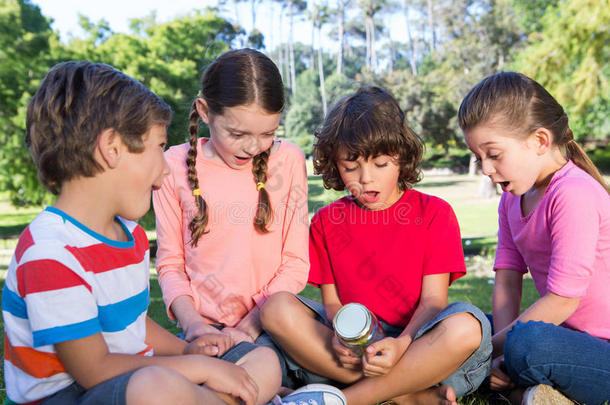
point(231, 217)
point(554, 221)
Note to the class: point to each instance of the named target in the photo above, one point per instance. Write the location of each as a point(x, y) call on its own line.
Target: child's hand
point(210, 344)
point(499, 380)
point(381, 356)
point(346, 357)
point(195, 329)
point(237, 335)
point(233, 380)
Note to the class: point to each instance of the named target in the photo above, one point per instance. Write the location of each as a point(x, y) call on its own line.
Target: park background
point(326, 49)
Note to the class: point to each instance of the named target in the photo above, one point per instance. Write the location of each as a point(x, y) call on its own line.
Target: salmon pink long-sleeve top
point(234, 267)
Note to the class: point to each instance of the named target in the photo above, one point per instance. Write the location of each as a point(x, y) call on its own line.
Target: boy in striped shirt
point(76, 294)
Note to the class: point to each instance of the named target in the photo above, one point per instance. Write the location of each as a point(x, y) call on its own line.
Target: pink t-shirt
point(234, 267)
point(565, 243)
point(379, 258)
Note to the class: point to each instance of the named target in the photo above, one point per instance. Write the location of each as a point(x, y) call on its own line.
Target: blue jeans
point(573, 362)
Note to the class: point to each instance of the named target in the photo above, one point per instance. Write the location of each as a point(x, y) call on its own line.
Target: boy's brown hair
point(75, 102)
point(367, 124)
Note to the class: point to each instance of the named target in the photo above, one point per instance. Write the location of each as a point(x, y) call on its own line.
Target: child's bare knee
point(150, 385)
point(464, 329)
point(275, 310)
point(263, 365)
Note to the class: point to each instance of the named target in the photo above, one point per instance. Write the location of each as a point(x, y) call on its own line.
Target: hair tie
point(260, 185)
point(196, 192)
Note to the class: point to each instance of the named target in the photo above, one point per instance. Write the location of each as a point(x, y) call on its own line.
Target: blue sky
point(119, 12)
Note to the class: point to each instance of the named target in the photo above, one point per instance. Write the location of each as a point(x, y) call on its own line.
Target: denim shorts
point(113, 391)
point(464, 380)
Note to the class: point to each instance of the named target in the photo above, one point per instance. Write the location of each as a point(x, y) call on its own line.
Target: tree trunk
point(253, 11)
point(341, 19)
point(487, 189)
point(391, 65)
point(472, 166)
point(431, 24)
point(321, 72)
point(291, 49)
point(369, 42)
point(373, 53)
point(280, 50)
point(312, 56)
point(411, 45)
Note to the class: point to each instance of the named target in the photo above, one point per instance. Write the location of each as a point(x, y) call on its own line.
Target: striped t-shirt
point(67, 282)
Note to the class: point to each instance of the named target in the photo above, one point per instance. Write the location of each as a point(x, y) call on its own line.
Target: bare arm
point(506, 300)
point(251, 324)
point(89, 362)
point(331, 300)
point(189, 319)
point(433, 298)
point(551, 308)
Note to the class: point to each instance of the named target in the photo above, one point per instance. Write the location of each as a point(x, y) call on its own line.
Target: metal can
point(356, 327)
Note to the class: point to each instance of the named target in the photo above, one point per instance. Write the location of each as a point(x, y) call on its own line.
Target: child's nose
point(487, 167)
point(365, 175)
point(252, 146)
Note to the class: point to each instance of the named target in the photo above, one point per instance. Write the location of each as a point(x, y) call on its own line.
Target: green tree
point(24, 57)
point(168, 58)
point(569, 57)
point(305, 113)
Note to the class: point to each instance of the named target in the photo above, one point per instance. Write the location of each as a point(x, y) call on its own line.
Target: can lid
point(352, 321)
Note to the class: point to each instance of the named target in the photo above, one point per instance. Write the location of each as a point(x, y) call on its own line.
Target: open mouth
point(370, 196)
point(504, 185)
point(242, 160)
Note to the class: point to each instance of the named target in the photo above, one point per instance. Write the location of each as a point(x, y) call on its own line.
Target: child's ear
point(543, 139)
point(203, 110)
point(109, 148)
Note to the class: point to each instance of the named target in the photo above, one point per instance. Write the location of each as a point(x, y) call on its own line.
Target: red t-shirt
point(379, 258)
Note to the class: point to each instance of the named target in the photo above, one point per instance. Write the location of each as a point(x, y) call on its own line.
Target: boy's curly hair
point(367, 124)
point(75, 102)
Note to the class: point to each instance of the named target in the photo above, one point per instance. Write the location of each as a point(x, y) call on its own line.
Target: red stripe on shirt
point(46, 275)
point(25, 241)
point(100, 257)
point(32, 362)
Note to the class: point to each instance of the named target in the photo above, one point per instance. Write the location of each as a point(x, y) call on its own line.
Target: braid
point(199, 222)
point(263, 211)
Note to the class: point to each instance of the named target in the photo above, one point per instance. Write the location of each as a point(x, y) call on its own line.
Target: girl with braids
point(554, 220)
point(231, 216)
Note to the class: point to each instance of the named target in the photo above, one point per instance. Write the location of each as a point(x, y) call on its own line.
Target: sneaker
point(544, 395)
point(312, 394)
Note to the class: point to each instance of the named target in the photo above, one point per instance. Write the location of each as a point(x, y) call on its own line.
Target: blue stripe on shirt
point(13, 304)
point(111, 318)
point(118, 316)
point(72, 331)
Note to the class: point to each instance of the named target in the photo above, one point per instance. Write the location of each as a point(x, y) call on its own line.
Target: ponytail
point(576, 154)
point(263, 210)
point(520, 100)
point(199, 222)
